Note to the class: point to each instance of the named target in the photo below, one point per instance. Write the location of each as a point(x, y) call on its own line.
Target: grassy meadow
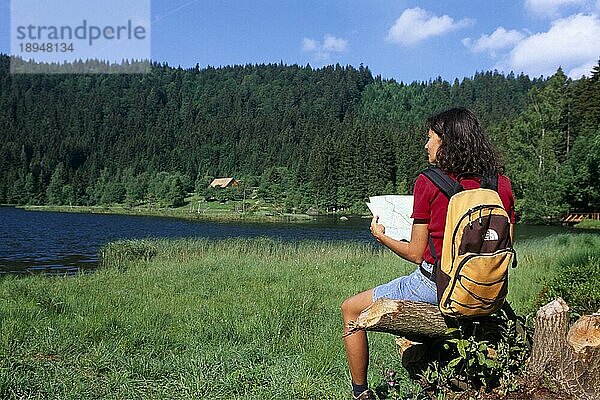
point(195, 209)
point(231, 319)
point(589, 224)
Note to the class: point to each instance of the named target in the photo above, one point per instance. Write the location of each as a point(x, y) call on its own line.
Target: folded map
point(394, 214)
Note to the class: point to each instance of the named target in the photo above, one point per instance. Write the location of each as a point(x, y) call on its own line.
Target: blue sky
point(400, 39)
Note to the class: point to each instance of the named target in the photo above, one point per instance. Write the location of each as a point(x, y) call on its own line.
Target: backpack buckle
point(428, 275)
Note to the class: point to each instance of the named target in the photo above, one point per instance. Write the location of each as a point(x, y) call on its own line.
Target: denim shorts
point(415, 287)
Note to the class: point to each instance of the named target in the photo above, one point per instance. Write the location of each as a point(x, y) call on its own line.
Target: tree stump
point(569, 358)
point(416, 356)
point(552, 321)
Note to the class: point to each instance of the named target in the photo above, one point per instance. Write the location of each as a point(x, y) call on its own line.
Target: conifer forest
point(324, 138)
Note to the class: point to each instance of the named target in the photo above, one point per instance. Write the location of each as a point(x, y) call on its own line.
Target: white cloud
point(322, 50)
point(333, 44)
point(497, 40)
point(570, 42)
point(584, 69)
point(416, 24)
point(550, 8)
point(309, 44)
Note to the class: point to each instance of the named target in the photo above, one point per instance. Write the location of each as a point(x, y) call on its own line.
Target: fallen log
point(411, 319)
point(421, 329)
point(570, 358)
point(418, 321)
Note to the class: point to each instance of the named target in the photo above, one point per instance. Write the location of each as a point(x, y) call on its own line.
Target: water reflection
point(50, 242)
point(65, 243)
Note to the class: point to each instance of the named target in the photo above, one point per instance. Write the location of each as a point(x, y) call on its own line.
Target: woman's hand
point(411, 251)
point(377, 230)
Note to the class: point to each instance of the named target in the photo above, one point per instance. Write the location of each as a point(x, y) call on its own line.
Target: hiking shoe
point(366, 395)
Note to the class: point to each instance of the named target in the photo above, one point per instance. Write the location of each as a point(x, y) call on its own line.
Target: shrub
point(577, 281)
point(470, 362)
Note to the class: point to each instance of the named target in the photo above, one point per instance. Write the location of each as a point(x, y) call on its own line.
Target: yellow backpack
point(471, 275)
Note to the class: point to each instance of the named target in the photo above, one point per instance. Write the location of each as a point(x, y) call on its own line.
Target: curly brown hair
point(465, 148)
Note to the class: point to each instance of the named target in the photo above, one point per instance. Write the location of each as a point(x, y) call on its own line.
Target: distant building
point(224, 182)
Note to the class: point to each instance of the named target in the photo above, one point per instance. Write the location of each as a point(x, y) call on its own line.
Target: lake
point(64, 243)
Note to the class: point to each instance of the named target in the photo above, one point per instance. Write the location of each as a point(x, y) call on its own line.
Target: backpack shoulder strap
point(439, 178)
point(490, 182)
point(449, 187)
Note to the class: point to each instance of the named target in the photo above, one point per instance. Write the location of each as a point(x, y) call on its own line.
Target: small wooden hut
point(224, 182)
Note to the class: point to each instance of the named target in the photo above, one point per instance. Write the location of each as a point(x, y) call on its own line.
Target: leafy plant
point(512, 353)
point(471, 362)
point(392, 387)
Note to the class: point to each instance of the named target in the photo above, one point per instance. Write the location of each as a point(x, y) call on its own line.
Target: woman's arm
point(411, 251)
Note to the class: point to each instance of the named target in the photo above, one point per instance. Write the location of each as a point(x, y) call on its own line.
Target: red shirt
point(431, 205)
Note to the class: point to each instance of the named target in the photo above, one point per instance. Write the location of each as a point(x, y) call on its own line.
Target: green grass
point(541, 261)
point(209, 211)
point(182, 319)
point(588, 224)
point(196, 208)
point(238, 319)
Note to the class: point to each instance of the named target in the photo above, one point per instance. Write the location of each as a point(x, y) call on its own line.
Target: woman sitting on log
point(456, 144)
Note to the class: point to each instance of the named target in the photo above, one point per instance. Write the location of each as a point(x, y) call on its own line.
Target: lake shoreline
point(42, 240)
point(180, 213)
point(184, 213)
point(46, 241)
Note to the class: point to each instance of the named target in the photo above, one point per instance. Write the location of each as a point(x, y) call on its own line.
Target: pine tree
point(54, 191)
point(536, 149)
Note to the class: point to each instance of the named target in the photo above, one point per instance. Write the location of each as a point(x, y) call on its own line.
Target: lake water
point(59, 243)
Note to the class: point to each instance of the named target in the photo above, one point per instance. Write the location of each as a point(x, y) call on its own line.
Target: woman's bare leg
point(357, 347)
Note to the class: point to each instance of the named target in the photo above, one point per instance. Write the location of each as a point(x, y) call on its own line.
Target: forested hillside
point(324, 138)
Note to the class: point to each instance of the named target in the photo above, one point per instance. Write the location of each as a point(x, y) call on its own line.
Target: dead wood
point(411, 319)
point(418, 321)
point(568, 358)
